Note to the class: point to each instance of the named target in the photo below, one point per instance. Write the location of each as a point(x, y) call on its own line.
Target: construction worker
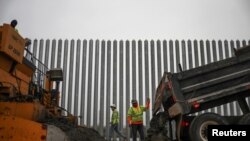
point(114, 123)
point(135, 118)
point(13, 23)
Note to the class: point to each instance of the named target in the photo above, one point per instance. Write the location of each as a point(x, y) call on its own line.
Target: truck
point(183, 99)
point(29, 96)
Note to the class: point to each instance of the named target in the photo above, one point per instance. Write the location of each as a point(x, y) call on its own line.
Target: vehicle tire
point(198, 127)
point(245, 119)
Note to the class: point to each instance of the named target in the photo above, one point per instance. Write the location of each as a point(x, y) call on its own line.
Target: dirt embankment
point(84, 134)
point(76, 133)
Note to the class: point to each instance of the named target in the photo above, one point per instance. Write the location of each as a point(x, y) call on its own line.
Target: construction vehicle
point(29, 96)
point(182, 100)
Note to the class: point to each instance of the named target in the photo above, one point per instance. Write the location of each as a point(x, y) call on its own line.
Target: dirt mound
point(84, 134)
point(75, 133)
point(157, 130)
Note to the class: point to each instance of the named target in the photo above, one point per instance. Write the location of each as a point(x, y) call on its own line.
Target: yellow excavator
point(29, 106)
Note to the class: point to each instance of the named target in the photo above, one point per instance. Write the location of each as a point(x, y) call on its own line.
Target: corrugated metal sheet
point(99, 73)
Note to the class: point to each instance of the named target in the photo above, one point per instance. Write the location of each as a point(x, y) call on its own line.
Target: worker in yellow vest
point(114, 123)
point(135, 118)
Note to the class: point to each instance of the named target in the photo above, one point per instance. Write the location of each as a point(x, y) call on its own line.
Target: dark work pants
point(139, 128)
point(113, 128)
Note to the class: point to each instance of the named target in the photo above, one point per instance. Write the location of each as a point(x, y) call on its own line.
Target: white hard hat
point(113, 105)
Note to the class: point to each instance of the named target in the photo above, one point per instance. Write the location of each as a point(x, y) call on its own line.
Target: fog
point(129, 19)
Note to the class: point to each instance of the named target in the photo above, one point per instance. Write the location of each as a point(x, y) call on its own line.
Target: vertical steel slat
point(202, 53)
point(140, 71)
point(226, 49)
point(238, 110)
point(214, 59)
point(65, 73)
point(121, 79)
point(152, 47)
point(248, 97)
point(238, 44)
point(244, 43)
point(220, 50)
point(196, 58)
point(71, 74)
point(89, 82)
point(165, 55)
point(207, 47)
point(232, 46)
point(146, 46)
point(127, 79)
point(177, 55)
point(133, 69)
point(53, 52)
point(34, 61)
point(214, 50)
point(232, 104)
point(77, 75)
point(196, 54)
point(226, 110)
point(40, 66)
point(190, 54)
point(171, 56)
point(59, 54)
point(84, 58)
point(96, 90)
point(208, 51)
point(47, 52)
point(40, 54)
point(108, 86)
point(35, 44)
point(102, 109)
point(115, 94)
point(114, 72)
point(184, 55)
point(220, 53)
point(158, 46)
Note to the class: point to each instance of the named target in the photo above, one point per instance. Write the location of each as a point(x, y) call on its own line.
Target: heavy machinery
point(182, 100)
point(29, 106)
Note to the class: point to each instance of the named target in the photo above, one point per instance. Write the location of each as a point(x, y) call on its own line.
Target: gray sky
point(129, 19)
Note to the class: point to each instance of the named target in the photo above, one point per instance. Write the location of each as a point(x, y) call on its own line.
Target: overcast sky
point(129, 19)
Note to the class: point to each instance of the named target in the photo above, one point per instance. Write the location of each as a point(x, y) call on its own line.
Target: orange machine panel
point(25, 69)
point(17, 129)
point(6, 62)
point(22, 76)
point(17, 82)
point(24, 72)
point(11, 43)
point(27, 110)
